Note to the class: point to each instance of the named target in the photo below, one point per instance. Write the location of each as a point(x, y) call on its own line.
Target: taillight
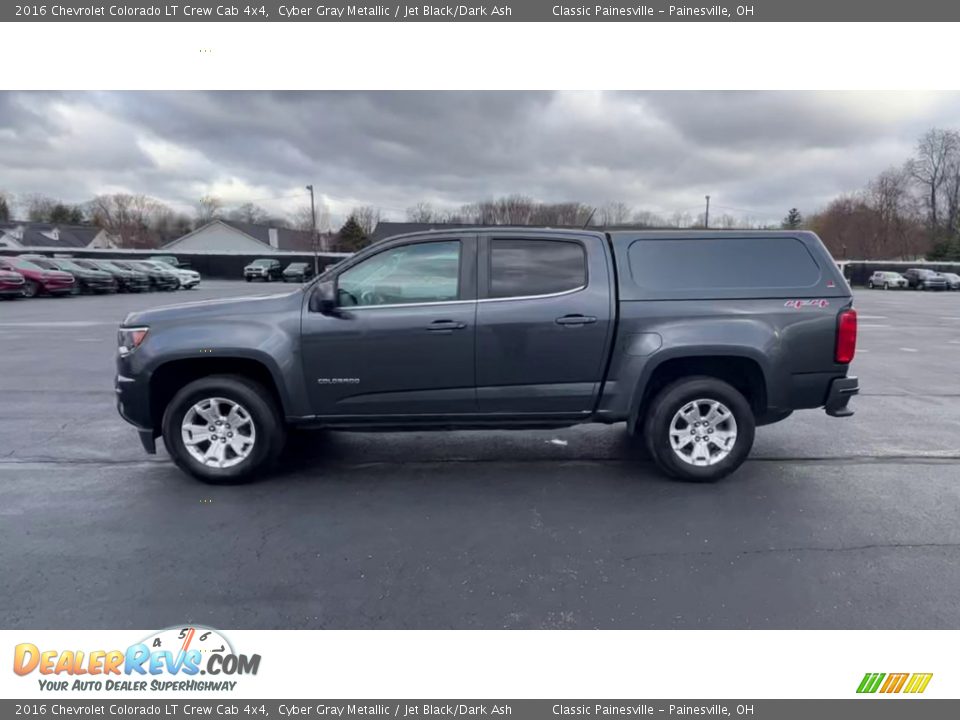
point(846, 336)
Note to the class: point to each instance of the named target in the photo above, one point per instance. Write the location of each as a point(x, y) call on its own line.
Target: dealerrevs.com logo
point(910, 683)
point(172, 660)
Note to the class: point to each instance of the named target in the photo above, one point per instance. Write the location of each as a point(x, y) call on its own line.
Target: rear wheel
point(699, 429)
point(886, 286)
point(870, 284)
point(223, 429)
point(31, 289)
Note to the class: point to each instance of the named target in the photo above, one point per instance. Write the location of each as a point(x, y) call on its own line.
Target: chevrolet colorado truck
point(691, 338)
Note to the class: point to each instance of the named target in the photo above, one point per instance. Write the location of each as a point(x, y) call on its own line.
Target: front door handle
point(576, 320)
point(445, 326)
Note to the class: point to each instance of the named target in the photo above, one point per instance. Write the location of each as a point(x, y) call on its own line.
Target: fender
point(274, 345)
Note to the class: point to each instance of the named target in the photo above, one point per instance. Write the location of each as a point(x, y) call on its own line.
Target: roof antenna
point(589, 218)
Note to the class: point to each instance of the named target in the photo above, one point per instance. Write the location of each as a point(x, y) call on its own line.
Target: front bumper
point(839, 394)
point(133, 404)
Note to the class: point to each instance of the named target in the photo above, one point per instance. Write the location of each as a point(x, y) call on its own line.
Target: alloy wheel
point(218, 432)
point(703, 432)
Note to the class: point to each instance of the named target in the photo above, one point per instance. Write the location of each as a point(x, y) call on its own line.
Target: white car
point(887, 280)
point(188, 278)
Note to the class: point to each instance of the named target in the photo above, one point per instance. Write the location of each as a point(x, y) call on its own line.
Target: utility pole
point(313, 236)
point(706, 215)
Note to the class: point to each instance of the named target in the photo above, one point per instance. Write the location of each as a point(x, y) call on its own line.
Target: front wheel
point(699, 429)
point(886, 286)
point(870, 284)
point(31, 289)
point(223, 429)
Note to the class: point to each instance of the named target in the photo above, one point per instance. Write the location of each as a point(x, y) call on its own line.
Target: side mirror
point(324, 298)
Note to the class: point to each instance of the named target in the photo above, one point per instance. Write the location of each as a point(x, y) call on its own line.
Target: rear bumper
point(838, 396)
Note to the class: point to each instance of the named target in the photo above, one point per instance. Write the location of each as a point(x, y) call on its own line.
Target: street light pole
point(313, 236)
point(706, 217)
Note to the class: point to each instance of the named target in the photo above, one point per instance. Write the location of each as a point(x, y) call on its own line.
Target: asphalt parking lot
point(832, 523)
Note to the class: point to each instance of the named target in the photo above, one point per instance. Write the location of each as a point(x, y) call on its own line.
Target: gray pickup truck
point(692, 338)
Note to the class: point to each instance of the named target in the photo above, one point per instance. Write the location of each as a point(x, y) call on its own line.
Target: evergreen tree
point(351, 236)
point(793, 220)
point(4, 210)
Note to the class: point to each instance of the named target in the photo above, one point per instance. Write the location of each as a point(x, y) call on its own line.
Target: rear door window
point(525, 268)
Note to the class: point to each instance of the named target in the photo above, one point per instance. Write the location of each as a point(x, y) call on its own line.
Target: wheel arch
point(167, 378)
point(741, 368)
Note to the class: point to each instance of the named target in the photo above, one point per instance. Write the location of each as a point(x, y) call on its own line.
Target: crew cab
point(690, 338)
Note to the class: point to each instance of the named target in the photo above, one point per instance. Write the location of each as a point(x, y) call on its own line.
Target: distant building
point(229, 236)
point(18, 235)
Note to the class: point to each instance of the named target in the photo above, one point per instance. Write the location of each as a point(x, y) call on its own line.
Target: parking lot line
point(873, 317)
point(909, 349)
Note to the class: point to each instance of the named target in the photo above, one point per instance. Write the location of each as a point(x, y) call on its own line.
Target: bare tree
point(422, 212)
point(614, 213)
point(646, 218)
point(935, 152)
point(129, 218)
point(249, 213)
point(302, 219)
point(368, 217)
point(209, 208)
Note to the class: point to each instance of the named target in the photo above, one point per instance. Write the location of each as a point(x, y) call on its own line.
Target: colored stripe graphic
point(870, 682)
point(918, 682)
point(894, 683)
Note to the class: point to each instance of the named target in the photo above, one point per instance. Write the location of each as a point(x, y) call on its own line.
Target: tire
point(886, 286)
point(31, 289)
point(870, 284)
point(921, 286)
point(671, 401)
point(247, 279)
point(259, 408)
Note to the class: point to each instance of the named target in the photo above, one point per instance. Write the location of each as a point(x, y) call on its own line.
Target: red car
point(36, 279)
point(11, 284)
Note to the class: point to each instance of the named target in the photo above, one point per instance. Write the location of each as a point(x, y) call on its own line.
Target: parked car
point(953, 280)
point(38, 280)
point(127, 280)
point(189, 279)
point(924, 279)
point(87, 280)
point(887, 280)
point(169, 260)
point(11, 284)
point(692, 338)
point(263, 269)
point(298, 272)
point(160, 278)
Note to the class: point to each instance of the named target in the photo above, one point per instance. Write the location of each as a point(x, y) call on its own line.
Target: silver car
point(953, 280)
point(887, 280)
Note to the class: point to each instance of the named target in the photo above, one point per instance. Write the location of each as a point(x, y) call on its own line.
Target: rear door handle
point(445, 326)
point(576, 320)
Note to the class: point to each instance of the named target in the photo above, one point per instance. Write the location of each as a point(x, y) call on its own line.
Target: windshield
point(45, 263)
point(23, 264)
point(70, 265)
point(296, 266)
point(261, 263)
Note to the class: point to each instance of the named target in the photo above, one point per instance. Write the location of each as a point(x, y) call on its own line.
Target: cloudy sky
point(756, 153)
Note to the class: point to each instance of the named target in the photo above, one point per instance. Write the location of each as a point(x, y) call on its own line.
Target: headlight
point(129, 339)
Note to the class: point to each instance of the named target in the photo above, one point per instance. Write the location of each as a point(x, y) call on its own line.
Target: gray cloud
point(757, 152)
